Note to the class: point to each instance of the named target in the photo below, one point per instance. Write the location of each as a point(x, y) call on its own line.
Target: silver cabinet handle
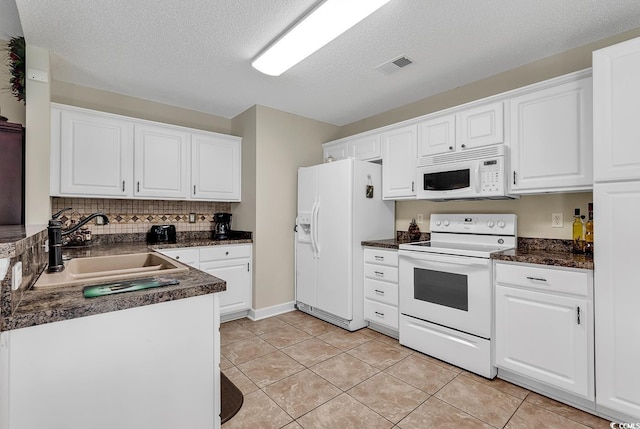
point(514, 177)
point(138, 187)
point(379, 292)
point(379, 258)
point(379, 273)
point(194, 189)
point(578, 315)
point(413, 186)
point(539, 279)
point(379, 314)
point(123, 186)
point(247, 267)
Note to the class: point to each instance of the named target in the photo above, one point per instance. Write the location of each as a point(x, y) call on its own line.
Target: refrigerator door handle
point(314, 245)
point(314, 230)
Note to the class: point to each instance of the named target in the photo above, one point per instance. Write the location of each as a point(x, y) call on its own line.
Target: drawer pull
point(379, 273)
point(177, 256)
point(379, 258)
point(226, 253)
point(379, 314)
point(379, 292)
point(538, 279)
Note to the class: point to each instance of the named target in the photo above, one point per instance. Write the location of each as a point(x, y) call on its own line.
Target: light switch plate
point(16, 275)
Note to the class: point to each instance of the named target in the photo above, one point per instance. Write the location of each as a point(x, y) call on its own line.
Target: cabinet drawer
point(384, 292)
point(544, 279)
point(186, 256)
point(382, 314)
point(217, 253)
point(383, 257)
point(381, 272)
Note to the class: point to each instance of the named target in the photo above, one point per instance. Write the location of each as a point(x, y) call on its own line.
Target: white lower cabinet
point(544, 326)
point(381, 289)
point(154, 366)
point(231, 263)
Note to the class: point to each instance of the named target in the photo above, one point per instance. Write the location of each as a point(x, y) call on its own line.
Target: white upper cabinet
point(399, 163)
point(437, 135)
point(480, 126)
point(97, 154)
point(161, 162)
point(551, 137)
point(365, 148)
point(215, 167)
point(96, 157)
point(616, 107)
point(470, 128)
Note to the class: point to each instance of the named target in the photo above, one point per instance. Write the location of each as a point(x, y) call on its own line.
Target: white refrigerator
point(339, 205)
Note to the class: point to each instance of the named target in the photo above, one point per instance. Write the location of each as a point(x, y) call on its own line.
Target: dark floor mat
point(231, 398)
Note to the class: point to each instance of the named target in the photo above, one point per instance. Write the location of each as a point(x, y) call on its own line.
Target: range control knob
point(501, 224)
point(438, 222)
point(490, 223)
point(446, 223)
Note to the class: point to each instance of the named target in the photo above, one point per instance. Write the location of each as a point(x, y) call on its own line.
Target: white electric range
point(446, 288)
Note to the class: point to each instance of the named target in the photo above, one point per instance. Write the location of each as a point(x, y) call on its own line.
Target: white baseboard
point(263, 313)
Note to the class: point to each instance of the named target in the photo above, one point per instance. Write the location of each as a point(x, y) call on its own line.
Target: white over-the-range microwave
point(472, 174)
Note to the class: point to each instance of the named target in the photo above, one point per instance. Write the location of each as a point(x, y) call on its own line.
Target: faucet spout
point(55, 234)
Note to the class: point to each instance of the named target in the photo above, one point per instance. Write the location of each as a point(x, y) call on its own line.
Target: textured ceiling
point(197, 54)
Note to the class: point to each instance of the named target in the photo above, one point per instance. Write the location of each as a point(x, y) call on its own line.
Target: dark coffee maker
point(222, 226)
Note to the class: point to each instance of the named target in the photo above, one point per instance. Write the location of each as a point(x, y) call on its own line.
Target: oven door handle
point(438, 259)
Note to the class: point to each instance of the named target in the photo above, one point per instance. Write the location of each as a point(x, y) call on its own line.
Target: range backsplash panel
point(137, 216)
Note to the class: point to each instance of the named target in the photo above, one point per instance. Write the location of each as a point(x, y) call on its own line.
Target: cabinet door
point(616, 85)
point(336, 151)
point(161, 162)
point(544, 337)
point(480, 126)
point(437, 135)
point(237, 274)
point(399, 163)
point(365, 148)
point(551, 139)
point(91, 154)
point(617, 296)
point(215, 168)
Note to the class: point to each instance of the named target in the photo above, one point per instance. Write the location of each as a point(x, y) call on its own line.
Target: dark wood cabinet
point(11, 174)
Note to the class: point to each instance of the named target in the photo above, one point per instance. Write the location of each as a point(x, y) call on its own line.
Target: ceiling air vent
point(394, 64)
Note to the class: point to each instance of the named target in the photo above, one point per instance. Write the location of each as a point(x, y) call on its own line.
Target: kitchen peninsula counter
point(32, 307)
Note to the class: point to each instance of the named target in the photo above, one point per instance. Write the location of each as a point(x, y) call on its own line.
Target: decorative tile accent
point(137, 216)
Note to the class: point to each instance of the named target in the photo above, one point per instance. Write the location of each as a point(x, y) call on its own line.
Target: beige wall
point(534, 212)
point(10, 107)
point(37, 136)
point(105, 101)
point(284, 142)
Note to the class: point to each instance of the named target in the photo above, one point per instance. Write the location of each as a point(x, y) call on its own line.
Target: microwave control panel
point(491, 180)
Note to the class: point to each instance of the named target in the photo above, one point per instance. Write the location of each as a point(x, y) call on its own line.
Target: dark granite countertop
point(544, 257)
point(40, 306)
point(530, 250)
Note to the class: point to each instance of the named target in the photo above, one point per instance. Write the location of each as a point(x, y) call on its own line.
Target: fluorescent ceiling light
point(322, 25)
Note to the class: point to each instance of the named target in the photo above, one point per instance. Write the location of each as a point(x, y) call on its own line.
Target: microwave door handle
point(476, 173)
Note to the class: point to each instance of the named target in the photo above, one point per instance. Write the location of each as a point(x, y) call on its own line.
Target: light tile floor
point(296, 371)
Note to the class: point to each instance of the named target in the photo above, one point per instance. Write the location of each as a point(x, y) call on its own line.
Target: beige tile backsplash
point(137, 216)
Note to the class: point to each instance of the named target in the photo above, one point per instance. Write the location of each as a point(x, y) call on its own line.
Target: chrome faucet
point(55, 232)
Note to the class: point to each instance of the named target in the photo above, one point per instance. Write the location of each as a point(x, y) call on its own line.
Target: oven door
point(453, 291)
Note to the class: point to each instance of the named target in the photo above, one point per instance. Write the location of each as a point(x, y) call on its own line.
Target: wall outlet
point(192, 218)
point(420, 218)
point(556, 220)
point(99, 221)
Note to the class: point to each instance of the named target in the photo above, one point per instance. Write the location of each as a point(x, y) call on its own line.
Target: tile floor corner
point(297, 371)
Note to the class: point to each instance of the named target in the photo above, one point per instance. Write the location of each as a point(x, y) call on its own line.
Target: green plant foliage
point(16, 61)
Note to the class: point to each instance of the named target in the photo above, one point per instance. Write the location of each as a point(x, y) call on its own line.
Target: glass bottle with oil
point(578, 237)
point(588, 232)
